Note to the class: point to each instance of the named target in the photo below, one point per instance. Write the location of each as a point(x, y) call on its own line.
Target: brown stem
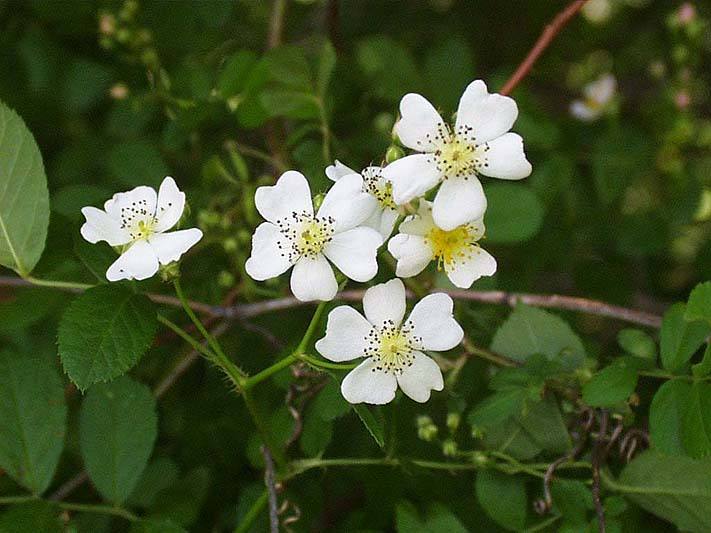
point(598, 459)
point(549, 33)
point(550, 301)
point(270, 482)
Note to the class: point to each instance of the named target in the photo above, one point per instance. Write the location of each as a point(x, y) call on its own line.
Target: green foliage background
point(118, 94)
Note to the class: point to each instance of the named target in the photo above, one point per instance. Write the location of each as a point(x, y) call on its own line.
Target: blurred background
point(226, 95)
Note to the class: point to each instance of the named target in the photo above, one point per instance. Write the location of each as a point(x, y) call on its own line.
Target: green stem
point(199, 347)
point(319, 363)
point(58, 284)
point(12, 500)
point(257, 507)
point(236, 375)
point(99, 509)
point(269, 371)
point(544, 524)
point(311, 329)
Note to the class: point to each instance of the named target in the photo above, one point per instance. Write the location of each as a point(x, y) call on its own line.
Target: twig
point(270, 482)
point(598, 458)
point(550, 301)
point(276, 24)
point(549, 33)
point(70, 486)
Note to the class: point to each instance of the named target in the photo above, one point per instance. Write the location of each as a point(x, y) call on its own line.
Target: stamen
point(392, 347)
point(452, 247)
point(304, 235)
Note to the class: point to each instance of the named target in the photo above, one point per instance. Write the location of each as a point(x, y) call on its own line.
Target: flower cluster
point(346, 228)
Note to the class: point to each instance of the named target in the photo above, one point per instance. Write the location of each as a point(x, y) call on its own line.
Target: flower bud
point(480, 458)
point(427, 433)
point(423, 420)
point(230, 245)
point(449, 448)
point(453, 420)
point(169, 272)
point(477, 432)
point(226, 279)
point(393, 153)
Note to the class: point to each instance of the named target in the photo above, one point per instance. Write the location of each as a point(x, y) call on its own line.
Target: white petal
point(346, 334)
point(354, 252)
point(366, 384)
point(412, 176)
point(385, 301)
point(433, 322)
point(584, 112)
point(99, 226)
point(138, 262)
point(347, 204)
point(421, 223)
point(388, 217)
point(458, 201)
point(506, 159)
point(420, 378)
point(464, 273)
point(290, 194)
point(338, 170)
point(420, 124)
point(171, 203)
point(313, 279)
point(601, 90)
point(411, 252)
point(490, 115)
point(269, 256)
point(170, 246)
point(141, 198)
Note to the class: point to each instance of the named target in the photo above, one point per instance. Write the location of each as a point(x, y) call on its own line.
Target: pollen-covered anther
point(392, 347)
point(305, 235)
point(450, 248)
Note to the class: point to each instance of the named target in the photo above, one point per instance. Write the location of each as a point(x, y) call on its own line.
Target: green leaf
point(637, 342)
point(156, 525)
point(289, 103)
point(374, 424)
point(118, 428)
point(329, 404)
point(389, 66)
point(24, 199)
point(288, 65)
point(699, 305)
point(610, 386)
point(182, 501)
point(665, 416)
point(703, 369)
point(696, 422)
point(679, 339)
point(32, 419)
point(514, 213)
point(234, 75)
point(503, 498)
point(31, 517)
point(498, 408)
point(437, 519)
point(160, 474)
point(572, 499)
point(104, 333)
point(675, 488)
point(316, 434)
point(530, 331)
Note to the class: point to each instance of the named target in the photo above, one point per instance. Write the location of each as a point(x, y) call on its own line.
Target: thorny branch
point(549, 33)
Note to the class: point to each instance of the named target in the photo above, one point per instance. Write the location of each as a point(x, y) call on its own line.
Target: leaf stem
point(69, 506)
point(58, 284)
point(200, 348)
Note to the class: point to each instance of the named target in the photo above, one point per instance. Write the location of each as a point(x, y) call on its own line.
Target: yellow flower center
point(378, 187)
point(392, 347)
point(450, 247)
point(305, 235)
point(458, 154)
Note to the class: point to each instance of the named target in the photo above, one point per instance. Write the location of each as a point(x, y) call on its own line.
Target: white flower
point(457, 251)
point(137, 221)
point(597, 11)
point(597, 97)
point(478, 144)
point(294, 236)
point(393, 349)
point(384, 216)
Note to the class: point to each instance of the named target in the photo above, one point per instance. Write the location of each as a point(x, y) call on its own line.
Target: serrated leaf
point(316, 434)
point(437, 519)
point(703, 369)
point(104, 333)
point(503, 498)
point(182, 501)
point(118, 429)
point(696, 422)
point(680, 339)
point(32, 419)
point(572, 499)
point(373, 424)
point(530, 331)
point(498, 408)
point(610, 386)
point(637, 342)
point(699, 305)
point(234, 75)
point(665, 416)
point(24, 198)
point(675, 488)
